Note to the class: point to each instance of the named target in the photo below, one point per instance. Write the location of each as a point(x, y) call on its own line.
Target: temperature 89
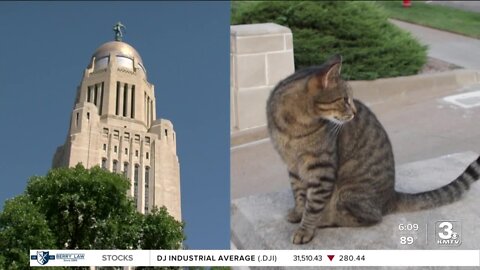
point(408, 227)
point(407, 240)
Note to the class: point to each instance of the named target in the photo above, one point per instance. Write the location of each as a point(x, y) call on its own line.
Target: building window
point(115, 168)
point(89, 94)
point(125, 95)
point(101, 63)
point(146, 155)
point(104, 147)
point(116, 134)
point(137, 138)
point(105, 131)
point(151, 111)
point(124, 62)
point(135, 185)
point(147, 181)
point(145, 106)
point(88, 116)
point(126, 151)
point(166, 132)
point(76, 121)
point(132, 109)
point(136, 153)
point(125, 169)
point(148, 111)
point(126, 135)
point(104, 163)
point(147, 139)
point(101, 99)
point(115, 149)
point(117, 104)
point(95, 95)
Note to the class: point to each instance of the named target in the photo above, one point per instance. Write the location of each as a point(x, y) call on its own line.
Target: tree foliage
point(371, 46)
point(22, 227)
point(160, 236)
point(86, 209)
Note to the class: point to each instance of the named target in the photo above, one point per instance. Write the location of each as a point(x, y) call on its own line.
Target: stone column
point(260, 56)
point(141, 162)
point(154, 110)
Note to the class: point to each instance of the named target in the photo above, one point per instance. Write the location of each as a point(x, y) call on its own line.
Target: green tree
point(22, 227)
point(161, 237)
point(87, 209)
point(164, 237)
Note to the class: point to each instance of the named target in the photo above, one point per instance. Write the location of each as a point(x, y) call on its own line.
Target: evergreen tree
point(371, 46)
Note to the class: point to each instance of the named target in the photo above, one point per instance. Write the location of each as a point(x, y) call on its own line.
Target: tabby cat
point(339, 157)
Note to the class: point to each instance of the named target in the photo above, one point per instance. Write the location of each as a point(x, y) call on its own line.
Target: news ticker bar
point(254, 257)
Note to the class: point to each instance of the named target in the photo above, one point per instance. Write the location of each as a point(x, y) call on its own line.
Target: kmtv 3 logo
point(43, 257)
point(448, 233)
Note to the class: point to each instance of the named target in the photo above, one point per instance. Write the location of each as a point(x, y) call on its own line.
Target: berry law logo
point(43, 257)
point(448, 233)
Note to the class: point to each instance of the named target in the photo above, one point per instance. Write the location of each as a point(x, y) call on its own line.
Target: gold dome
point(118, 48)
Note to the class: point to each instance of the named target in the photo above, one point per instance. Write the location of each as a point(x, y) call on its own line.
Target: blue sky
point(44, 49)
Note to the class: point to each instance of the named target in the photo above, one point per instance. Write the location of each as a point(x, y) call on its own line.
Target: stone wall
point(260, 56)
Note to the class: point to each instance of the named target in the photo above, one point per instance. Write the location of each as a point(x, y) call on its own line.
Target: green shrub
point(371, 46)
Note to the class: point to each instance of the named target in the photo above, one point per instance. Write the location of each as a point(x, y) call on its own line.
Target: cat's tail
point(444, 195)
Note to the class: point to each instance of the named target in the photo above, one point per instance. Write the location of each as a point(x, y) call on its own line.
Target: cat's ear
point(328, 76)
point(335, 67)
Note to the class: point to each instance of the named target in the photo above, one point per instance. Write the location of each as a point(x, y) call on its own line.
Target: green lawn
point(435, 16)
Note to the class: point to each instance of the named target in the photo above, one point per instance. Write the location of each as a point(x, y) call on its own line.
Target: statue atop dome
point(117, 28)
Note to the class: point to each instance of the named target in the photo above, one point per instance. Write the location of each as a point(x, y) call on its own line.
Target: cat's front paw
point(294, 216)
point(302, 236)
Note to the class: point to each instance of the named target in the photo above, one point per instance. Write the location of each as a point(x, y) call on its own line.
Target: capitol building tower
point(113, 125)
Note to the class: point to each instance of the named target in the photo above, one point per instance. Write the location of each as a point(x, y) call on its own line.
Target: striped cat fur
point(339, 156)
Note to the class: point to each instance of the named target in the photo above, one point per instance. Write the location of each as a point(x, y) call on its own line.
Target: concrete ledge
point(258, 222)
point(248, 135)
point(260, 29)
point(424, 85)
point(377, 92)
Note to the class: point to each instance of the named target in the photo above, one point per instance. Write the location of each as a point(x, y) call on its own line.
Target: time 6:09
point(408, 227)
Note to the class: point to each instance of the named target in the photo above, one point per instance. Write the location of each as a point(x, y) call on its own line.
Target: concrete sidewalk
point(456, 49)
point(422, 124)
point(464, 5)
point(258, 222)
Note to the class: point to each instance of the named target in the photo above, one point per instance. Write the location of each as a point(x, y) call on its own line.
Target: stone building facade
point(113, 124)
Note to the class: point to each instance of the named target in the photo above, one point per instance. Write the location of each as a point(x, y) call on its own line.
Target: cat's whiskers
point(335, 128)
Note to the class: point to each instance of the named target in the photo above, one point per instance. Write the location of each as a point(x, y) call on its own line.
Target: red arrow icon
point(330, 257)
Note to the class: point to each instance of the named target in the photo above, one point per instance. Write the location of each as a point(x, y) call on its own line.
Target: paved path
point(456, 49)
point(465, 5)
